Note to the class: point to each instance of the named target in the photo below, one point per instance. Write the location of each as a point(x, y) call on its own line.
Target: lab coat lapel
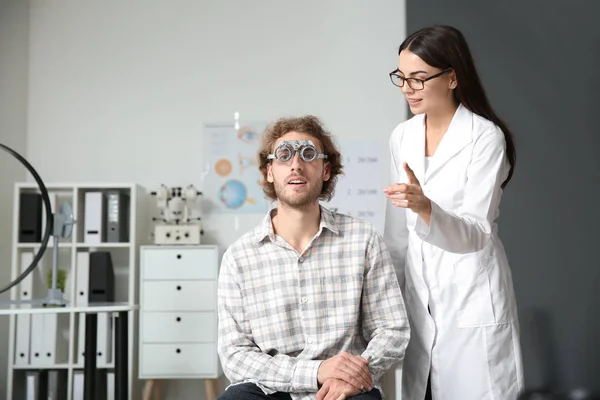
point(458, 136)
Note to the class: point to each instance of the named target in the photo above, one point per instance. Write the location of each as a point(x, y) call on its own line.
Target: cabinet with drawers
point(178, 312)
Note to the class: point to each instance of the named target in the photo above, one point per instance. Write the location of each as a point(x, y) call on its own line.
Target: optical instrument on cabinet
point(180, 221)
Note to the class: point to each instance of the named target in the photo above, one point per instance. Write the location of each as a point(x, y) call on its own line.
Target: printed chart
point(359, 191)
point(231, 178)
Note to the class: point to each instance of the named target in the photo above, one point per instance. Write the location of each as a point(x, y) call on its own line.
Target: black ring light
point(49, 218)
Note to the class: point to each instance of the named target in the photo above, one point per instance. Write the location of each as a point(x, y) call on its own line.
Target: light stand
point(62, 228)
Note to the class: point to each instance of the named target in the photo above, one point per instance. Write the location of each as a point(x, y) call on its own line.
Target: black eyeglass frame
point(421, 81)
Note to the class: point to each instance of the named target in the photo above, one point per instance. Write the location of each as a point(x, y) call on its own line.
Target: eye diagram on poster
point(231, 178)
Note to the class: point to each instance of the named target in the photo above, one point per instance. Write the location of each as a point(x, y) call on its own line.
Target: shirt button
point(309, 340)
point(304, 300)
point(301, 259)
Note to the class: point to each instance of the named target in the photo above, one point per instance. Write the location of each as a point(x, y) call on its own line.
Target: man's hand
point(348, 368)
point(336, 389)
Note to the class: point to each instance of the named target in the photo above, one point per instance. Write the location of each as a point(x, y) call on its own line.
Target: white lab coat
point(457, 265)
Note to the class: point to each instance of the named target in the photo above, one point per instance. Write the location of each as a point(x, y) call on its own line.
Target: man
point(309, 304)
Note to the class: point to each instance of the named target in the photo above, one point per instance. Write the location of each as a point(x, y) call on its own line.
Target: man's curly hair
point(309, 125)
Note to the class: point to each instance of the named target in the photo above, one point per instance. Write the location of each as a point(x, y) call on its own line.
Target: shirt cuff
point(305, 375)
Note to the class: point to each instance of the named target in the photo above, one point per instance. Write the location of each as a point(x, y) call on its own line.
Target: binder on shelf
point(30, 218)
point(37, 385)
point(82, 278)
point(94, 218)
point(36, 351)
point(23, 325)
point(23, 336)
point(104, 338)
point(55, 345)
point(78, 383)
point(117, 214)
point(101, 278)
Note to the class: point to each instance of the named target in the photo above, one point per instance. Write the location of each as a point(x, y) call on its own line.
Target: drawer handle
point(179, 256)
point(25, 293)
point(178, 319)
point(178, 351)
point(178, 287)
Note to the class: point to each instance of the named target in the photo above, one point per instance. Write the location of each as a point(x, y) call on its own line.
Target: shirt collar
point(265, 228)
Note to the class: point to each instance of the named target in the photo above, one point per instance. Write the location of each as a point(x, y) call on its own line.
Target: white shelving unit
point(124, 257)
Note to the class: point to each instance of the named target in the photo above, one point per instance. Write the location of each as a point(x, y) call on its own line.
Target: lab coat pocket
point(473, 295)
point(342, 295)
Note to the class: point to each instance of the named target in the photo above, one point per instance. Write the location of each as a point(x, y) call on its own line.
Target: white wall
point(118, 91)
point(14, 48)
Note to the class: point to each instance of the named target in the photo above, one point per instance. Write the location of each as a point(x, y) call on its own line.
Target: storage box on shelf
point(178, 314)
point(97, 266)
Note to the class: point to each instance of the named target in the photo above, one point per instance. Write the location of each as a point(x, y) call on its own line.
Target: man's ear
point(326, 171)
point(269, 174)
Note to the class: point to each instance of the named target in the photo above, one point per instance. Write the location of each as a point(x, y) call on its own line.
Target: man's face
point(298, 183)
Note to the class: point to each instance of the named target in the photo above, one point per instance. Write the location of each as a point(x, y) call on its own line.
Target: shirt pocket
point(342, 300)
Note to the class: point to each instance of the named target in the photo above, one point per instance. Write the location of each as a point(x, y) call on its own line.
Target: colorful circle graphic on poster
point(223, 167)
point(233, 194)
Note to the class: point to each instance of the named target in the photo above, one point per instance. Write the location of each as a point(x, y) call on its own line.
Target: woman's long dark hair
point(445, 47)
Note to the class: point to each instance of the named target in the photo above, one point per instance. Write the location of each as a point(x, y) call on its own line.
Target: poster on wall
point(359, 191)
point(231, 179)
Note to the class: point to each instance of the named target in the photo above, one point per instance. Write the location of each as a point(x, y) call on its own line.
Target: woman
point(450, 164)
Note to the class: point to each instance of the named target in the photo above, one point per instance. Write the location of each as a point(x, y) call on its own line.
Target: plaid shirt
point(281, 312)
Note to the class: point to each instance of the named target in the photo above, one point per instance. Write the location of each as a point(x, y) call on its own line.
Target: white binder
point(36, 352)
point(110, 385)
point(23, 338)
point(56, 345)
point(94, 220)
point(104, 338)
point(78, 382)
point(23, 325)
point(82, 279)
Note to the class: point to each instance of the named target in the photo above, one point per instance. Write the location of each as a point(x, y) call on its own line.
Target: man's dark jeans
point(249, 391)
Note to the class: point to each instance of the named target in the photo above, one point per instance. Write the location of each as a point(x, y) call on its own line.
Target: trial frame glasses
point(286, 150)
